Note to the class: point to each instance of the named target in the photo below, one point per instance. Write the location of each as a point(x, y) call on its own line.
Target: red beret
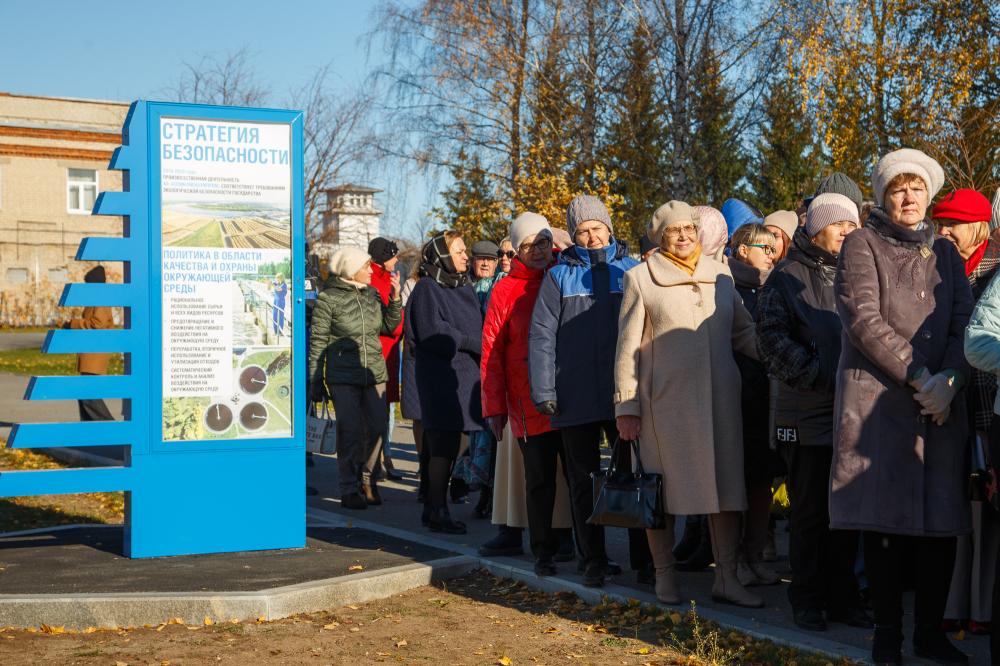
point(963, 206)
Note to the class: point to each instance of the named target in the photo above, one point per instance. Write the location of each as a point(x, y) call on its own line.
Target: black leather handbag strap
point(636, 458)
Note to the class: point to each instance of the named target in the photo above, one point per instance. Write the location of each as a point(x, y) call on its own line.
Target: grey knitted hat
point(838, 183)
point(585, 207)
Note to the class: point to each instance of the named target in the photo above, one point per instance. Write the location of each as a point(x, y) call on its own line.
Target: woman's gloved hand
point(317, 392)
point(936, 394)
point(547, 407)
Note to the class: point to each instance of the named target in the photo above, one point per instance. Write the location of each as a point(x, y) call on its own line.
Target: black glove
point(317, 392)
point(547, 407)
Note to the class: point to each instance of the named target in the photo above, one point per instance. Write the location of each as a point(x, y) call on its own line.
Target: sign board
point(214, 256)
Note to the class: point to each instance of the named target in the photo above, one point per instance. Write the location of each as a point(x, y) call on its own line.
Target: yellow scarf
point(687, 265)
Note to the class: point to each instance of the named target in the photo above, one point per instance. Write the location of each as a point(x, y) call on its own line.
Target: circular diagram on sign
point(253, 416)
point(283, 391)
point(218, 417)
point(253, 379)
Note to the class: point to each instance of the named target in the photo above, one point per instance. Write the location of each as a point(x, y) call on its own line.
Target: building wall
point(41, 141)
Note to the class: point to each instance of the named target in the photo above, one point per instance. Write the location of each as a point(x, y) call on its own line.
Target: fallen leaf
point(960, 636)
point(332, 625)
point(675, 617)
point(354, 607)
point(208, 621)
point(401, 643)
point(175, 620)
point(261, 619)
point(161, 627)
point(356, 567)
point(120, 663)
point(355, 629)
point(551, 630)
point(383, 654)
point(504, 661)
point(48, 629)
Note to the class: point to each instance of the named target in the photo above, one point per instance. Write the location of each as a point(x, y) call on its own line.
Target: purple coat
point(905, 302)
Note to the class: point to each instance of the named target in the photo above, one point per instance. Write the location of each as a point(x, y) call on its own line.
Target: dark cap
point(485, 248)
point(382, 250)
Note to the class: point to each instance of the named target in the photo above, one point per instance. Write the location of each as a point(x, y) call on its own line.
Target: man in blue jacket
point(571, 354)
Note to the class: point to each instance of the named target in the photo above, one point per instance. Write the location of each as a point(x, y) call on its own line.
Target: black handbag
point(623, 498)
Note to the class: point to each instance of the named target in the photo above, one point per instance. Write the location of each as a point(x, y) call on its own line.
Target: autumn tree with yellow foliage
point(881, 74)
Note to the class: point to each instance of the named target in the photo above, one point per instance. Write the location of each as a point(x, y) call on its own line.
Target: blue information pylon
point(218, 487)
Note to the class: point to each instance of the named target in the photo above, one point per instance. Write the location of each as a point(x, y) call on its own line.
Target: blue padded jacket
point(574, 333)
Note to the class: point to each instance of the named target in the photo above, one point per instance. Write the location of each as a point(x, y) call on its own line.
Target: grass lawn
point(26, 513)
point(34, 362)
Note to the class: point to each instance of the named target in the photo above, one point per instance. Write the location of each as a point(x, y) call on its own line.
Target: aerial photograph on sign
point(226, 224)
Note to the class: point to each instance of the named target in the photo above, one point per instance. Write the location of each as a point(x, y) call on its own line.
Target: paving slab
point(88, 560)
point(10, 340)
point(75, 577)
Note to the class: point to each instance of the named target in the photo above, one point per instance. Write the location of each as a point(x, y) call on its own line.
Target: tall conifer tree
point(716, 161)
point(786, 161)
point(635, 141)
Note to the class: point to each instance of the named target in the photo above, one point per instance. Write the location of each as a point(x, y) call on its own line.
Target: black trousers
point(822, 559)
point(540, 456)
point(888, 556)
point(94, 409)
point(581, 456)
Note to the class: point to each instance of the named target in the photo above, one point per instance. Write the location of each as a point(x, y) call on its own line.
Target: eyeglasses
point(768, 249)
point(676, 232)
point(505, 253)
point(540, 245)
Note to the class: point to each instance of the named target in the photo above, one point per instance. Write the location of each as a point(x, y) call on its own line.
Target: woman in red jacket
point(505, 385)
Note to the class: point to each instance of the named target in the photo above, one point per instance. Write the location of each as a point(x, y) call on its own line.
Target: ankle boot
point(661, 548)
point(929, 642)
point(370, 492)
point(725, 528)
point(689, 540)
point(755, 573)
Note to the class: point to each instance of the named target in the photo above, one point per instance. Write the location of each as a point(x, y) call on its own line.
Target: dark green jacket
point(344, 347)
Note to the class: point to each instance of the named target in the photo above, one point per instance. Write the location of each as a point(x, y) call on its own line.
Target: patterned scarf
point(437, 264)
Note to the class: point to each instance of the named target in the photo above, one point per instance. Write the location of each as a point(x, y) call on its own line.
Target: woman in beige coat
point(678, 390)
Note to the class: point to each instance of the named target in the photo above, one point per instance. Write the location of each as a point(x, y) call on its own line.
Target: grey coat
point(905, 302)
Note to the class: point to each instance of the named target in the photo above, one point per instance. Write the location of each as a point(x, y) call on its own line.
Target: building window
point(17, 275)
point(58, 275)
point(81, 190)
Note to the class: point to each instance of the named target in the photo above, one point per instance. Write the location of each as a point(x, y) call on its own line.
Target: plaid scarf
point(436, 263)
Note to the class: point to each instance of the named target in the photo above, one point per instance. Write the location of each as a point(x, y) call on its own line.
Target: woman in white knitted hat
point(676, 388)
point(900, 439)
point(347, 366)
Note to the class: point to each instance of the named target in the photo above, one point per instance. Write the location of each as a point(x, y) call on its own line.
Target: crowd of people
point(848, 349)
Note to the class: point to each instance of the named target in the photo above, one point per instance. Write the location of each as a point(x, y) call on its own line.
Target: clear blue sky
point(117, 50)
point(120, 50)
